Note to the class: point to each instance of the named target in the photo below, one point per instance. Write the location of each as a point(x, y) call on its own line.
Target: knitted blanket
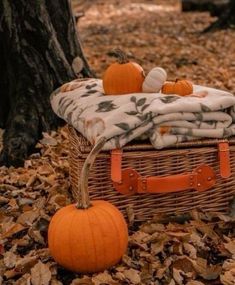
point(164, 119)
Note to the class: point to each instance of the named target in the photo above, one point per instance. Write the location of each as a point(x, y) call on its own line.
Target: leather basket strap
point(224, 159)
point(129, 181)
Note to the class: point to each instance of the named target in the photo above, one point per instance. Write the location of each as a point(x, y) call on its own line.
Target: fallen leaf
point(152, 228)
point(40, 274)
point(31, 180)
point(132, 275)
point(172, 282)
point(15, 228)
point(206, 229)
point(82, 281)
point(230, 246)
point(120, 276)
point(194, 282)
point(127, 260)
point(184, 264)
point(158, 245)
point(3, 200)
point(10, 259)
point(228, 278)
point(229, 264)
point(208, 272)
point(190, 250)
point(177, 275)
point(196, 240)
point(24, 280)
point(36, 236)
point(178, 234)
point(103, 278)
point(27, 218)
point(22, 266)
point(48, 140)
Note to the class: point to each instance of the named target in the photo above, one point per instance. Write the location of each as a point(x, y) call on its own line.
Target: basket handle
point(129, 181)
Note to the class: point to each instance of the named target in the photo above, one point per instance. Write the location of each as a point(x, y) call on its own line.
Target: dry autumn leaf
point(27, 218)
point(206, 229)
point(10, 259)
point(190, 250)
point(103, 278)
point(24, 280)
point(82, 281)
point(56, 282)
point(228, 278)
point(132, 275)
point(194, 282)
point(48, 140)
point(40, 274)
point(208, 272)
point(178, 277)
point(14, 229)
point(230, 246)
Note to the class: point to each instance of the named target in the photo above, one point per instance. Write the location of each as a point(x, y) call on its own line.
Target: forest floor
point(200, 250)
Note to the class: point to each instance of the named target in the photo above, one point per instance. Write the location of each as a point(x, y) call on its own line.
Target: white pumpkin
point(154, 80)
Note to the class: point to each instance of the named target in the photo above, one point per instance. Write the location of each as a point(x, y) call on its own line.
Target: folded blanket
point(164, 119)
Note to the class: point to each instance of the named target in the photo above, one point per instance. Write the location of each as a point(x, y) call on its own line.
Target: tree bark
point(225, 20)
point(38, 45)
point(215, 7)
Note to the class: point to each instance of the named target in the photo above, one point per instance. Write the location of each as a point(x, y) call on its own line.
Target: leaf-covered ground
point(199, 248)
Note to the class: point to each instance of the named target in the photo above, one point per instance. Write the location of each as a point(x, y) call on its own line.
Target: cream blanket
point(164, 119)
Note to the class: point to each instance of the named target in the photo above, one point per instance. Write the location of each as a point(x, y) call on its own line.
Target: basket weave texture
point(151, 162)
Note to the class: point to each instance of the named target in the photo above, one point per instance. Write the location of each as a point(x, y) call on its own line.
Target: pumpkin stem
point(120, 55)
point(82, 197)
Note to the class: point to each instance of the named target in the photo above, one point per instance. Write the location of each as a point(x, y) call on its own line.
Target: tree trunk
point(38, 45)
point(225, 20)
point(215, 7)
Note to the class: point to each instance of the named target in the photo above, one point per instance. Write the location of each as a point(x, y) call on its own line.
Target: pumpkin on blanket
point(123, 76)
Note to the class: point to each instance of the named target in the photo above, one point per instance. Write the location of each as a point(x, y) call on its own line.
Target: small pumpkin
point(90, 236)
point(180, 87)
point(123, 76)
point(154, 80)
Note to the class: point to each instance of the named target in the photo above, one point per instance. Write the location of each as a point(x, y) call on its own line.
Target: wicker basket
point(148, 162)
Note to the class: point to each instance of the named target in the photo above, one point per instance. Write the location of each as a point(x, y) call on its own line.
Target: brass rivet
point(199, 170)
point(131, 174)
point(120, 182)
point(191, 184)
point(191, 177)
point(130, 188)
point(198, 184)
point(209, 178)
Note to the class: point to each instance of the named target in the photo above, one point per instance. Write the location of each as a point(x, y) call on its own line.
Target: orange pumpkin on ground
point(90, 236)
point(88, 240)
point(180, 87)
point(123, 76)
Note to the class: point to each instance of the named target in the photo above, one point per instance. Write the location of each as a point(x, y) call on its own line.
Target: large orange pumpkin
point(89, 236)
point(123, 76)
point(88, 240)
point(180, 87)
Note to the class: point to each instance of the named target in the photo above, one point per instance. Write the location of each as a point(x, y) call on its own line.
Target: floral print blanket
point(164, 119)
